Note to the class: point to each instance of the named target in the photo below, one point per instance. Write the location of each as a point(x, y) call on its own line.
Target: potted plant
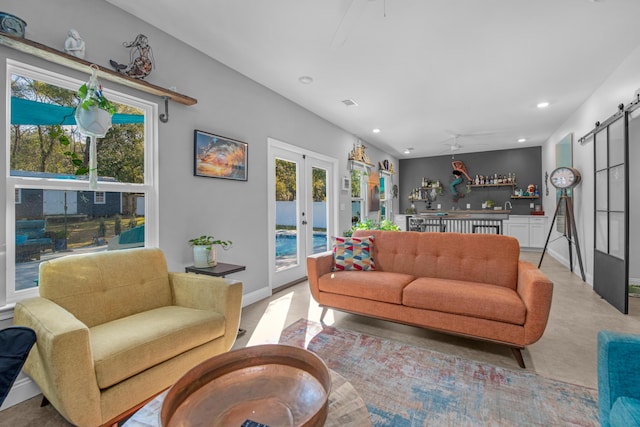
point(204, 251)
point(60, 239)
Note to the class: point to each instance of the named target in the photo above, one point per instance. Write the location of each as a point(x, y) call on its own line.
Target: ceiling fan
point(453, 141)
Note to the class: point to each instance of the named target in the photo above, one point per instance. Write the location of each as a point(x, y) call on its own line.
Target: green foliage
point(286, 182)
point(95, 98)
point(133, 222)
point(59, 148)
point(102, 228)
point(369, 224)
point(209, 241)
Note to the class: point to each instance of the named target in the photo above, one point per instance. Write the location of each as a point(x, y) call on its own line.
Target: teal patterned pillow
point(353, 253)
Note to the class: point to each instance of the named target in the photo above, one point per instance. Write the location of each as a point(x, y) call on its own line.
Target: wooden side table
point(220, 270)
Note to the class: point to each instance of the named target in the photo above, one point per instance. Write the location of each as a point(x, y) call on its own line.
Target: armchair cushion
point(618, 383)
point(127, 346)
point(625, 412)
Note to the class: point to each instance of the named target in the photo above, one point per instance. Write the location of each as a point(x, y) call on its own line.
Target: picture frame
point(345, 183)
point(216, 156)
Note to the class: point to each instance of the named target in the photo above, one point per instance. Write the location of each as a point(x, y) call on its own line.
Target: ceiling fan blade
point(349, 20)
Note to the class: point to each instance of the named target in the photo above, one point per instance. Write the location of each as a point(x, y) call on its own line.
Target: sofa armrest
point(536, 291)
point(318, 265)
point(61, 362)
point(204, 292)
point(618, 355)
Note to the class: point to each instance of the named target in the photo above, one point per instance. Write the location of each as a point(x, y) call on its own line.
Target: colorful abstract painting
point(219, 157)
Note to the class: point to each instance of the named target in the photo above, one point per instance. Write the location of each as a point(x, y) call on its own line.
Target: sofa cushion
point(374, 285)
point(625, 412)
point(353, 253)
point(466, 298)
point(127, 346)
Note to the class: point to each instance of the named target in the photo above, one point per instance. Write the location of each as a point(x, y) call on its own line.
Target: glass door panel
point(320, 215)
point(287, 210)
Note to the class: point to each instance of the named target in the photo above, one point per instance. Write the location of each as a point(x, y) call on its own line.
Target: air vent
point(349, 102)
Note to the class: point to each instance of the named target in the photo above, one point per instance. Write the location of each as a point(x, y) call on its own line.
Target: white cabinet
point(537, 232)
point(529, 230)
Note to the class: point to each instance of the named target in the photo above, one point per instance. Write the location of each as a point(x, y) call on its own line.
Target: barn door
point(611, 269)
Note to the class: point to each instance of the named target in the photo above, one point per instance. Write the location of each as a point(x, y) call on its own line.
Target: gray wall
point(229, 104)
point(525, 162)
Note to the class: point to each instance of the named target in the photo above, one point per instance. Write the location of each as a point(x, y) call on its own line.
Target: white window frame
point(149, 187)
point(364, 188)
point(99, 197)
point(387, 197)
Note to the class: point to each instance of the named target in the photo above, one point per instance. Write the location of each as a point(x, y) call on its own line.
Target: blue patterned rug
point(404, 385)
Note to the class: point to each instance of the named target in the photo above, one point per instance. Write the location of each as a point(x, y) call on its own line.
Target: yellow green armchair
point(116, 328)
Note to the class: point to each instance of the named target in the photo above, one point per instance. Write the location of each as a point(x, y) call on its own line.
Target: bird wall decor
point(140, 58)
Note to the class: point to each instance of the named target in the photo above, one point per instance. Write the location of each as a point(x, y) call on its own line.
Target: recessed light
point(408, 150)
point(522, 140)
point(305, 80)
point(376, 130)
point(544, 104)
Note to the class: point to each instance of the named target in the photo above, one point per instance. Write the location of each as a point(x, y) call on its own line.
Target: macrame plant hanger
point(93, 122)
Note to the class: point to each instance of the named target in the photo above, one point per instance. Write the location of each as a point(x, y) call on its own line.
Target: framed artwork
point(374, 192)
point(564, 157)
point(346, 183)
point(216, 156)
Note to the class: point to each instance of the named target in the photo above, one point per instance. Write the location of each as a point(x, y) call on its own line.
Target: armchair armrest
point(318, 265)
point(61, 361)
point(204, 292)
point(536, 291)
point(618, 357)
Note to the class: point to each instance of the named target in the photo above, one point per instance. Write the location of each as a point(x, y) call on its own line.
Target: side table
point(220, 270)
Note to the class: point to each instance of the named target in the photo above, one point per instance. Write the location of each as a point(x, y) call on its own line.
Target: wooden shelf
point(525, 197)
point(63, 58)
point(513, 184)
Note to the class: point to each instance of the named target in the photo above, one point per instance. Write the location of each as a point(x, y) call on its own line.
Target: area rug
point(404, 385)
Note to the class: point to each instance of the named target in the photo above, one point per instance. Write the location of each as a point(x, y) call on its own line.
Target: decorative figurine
point(74, 45)
point(358, 154)
point(140, 57)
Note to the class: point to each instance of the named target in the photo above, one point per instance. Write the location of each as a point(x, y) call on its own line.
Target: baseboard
point(23, 389)
point(256, 296)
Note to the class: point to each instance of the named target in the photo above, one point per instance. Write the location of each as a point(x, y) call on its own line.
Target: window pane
point(38, 107)
point(616, 143)
point(287, 244)
point(616, 235)
point(601, 191)
point(601, 149)
point(319, 190)
point(55, 223)
point(356, 183)
point(601, 231)
point(616, 188)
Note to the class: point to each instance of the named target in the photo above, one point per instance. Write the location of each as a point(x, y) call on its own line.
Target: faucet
point(505, 205)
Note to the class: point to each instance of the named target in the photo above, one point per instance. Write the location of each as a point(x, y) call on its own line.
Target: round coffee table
point(346, 407)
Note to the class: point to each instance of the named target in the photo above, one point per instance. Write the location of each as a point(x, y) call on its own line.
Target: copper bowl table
point(277, 385)
point(346, 408)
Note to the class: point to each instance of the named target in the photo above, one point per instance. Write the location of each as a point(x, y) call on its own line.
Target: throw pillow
point(353, 253)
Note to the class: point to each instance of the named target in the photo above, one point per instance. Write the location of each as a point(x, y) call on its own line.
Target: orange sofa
point(473, 285)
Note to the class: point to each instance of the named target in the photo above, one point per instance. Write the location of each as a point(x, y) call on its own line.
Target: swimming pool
point(286, 243)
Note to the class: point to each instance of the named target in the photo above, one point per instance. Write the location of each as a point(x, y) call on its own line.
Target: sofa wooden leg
point(324, 312)
point(44, 402)
point(518, 355)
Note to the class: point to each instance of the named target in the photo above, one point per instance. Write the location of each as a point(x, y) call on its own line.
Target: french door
point(302, 215)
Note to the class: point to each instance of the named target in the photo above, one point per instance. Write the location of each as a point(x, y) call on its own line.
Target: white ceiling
point(420, 70)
